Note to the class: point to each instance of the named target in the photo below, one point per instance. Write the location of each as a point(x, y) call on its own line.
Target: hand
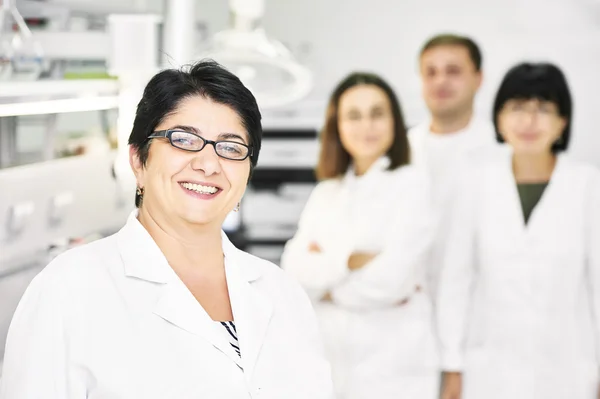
point(407, 300)
point(359, 259)
point(314, 247)
point(327, 297)
point(452, 386)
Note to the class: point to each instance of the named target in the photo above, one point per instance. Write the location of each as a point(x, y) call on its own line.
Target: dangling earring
point(139, 196)
point(237, 207)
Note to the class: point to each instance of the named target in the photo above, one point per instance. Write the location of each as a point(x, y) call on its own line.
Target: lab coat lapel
point(252, 310)
point(536, 219)
point(507, 197)
point(143, 259)
point(548, 203)
point(178, 306)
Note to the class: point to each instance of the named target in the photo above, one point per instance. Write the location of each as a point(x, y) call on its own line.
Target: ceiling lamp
point(263, 64)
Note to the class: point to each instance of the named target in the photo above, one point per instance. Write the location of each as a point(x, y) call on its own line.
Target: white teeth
point(199, 188)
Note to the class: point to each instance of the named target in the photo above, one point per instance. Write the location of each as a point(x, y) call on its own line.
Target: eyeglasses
point(541, 110)
point(192, 142)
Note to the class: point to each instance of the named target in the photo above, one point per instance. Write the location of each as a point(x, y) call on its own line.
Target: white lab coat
point(518, 306)
point(111, 319)
point(377, 348)
point(442, 156)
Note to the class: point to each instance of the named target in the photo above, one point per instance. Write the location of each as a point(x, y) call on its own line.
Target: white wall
point(338, 36)
point(384, 36)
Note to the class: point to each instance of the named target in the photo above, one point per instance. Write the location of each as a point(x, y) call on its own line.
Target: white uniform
point(442, 156)
point(378, 348)
point(519, 304)
point(111, 319)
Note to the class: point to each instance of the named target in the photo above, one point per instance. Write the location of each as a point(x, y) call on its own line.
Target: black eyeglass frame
point(169, 133)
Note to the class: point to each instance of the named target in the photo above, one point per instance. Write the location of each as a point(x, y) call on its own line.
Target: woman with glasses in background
point(519, 299)
point(361, 246)
point(168, 307)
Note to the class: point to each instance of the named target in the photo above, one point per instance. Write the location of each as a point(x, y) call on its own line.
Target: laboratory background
point(73, 71)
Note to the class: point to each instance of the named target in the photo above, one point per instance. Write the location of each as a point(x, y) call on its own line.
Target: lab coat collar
point(549, 201)
point(378, 166)
point(557, 173)
point(143, 259)
point(478, 132)
point(481, 133)
point(252, 309)
point(252, 312)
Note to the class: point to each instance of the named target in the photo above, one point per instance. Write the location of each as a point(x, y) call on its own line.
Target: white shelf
point(59, 106)
point(57, 96)
point(39, 88)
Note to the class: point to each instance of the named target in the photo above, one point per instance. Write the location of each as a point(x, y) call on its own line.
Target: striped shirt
point(232, 334)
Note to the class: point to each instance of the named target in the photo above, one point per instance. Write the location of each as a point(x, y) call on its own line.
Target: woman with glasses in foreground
point(167, 307)
point(519, 304)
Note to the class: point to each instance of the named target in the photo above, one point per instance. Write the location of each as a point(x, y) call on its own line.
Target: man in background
point(450, 69)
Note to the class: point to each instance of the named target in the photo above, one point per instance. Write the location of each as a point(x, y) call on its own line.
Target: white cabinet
point(110, 6)
point(12, 288)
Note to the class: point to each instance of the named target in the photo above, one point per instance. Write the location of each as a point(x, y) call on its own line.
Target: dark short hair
point(206, 78)
point(334, 160)
point(448, 39)
point(536, 81)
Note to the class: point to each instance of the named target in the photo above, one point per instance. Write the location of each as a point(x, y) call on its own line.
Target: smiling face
point(531, 126)
point(365, 122)
point(193, 187)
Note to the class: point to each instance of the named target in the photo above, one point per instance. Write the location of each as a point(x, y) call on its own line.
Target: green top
point(530, 194)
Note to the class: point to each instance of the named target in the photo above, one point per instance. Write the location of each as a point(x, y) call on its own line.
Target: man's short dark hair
point(448, 39)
